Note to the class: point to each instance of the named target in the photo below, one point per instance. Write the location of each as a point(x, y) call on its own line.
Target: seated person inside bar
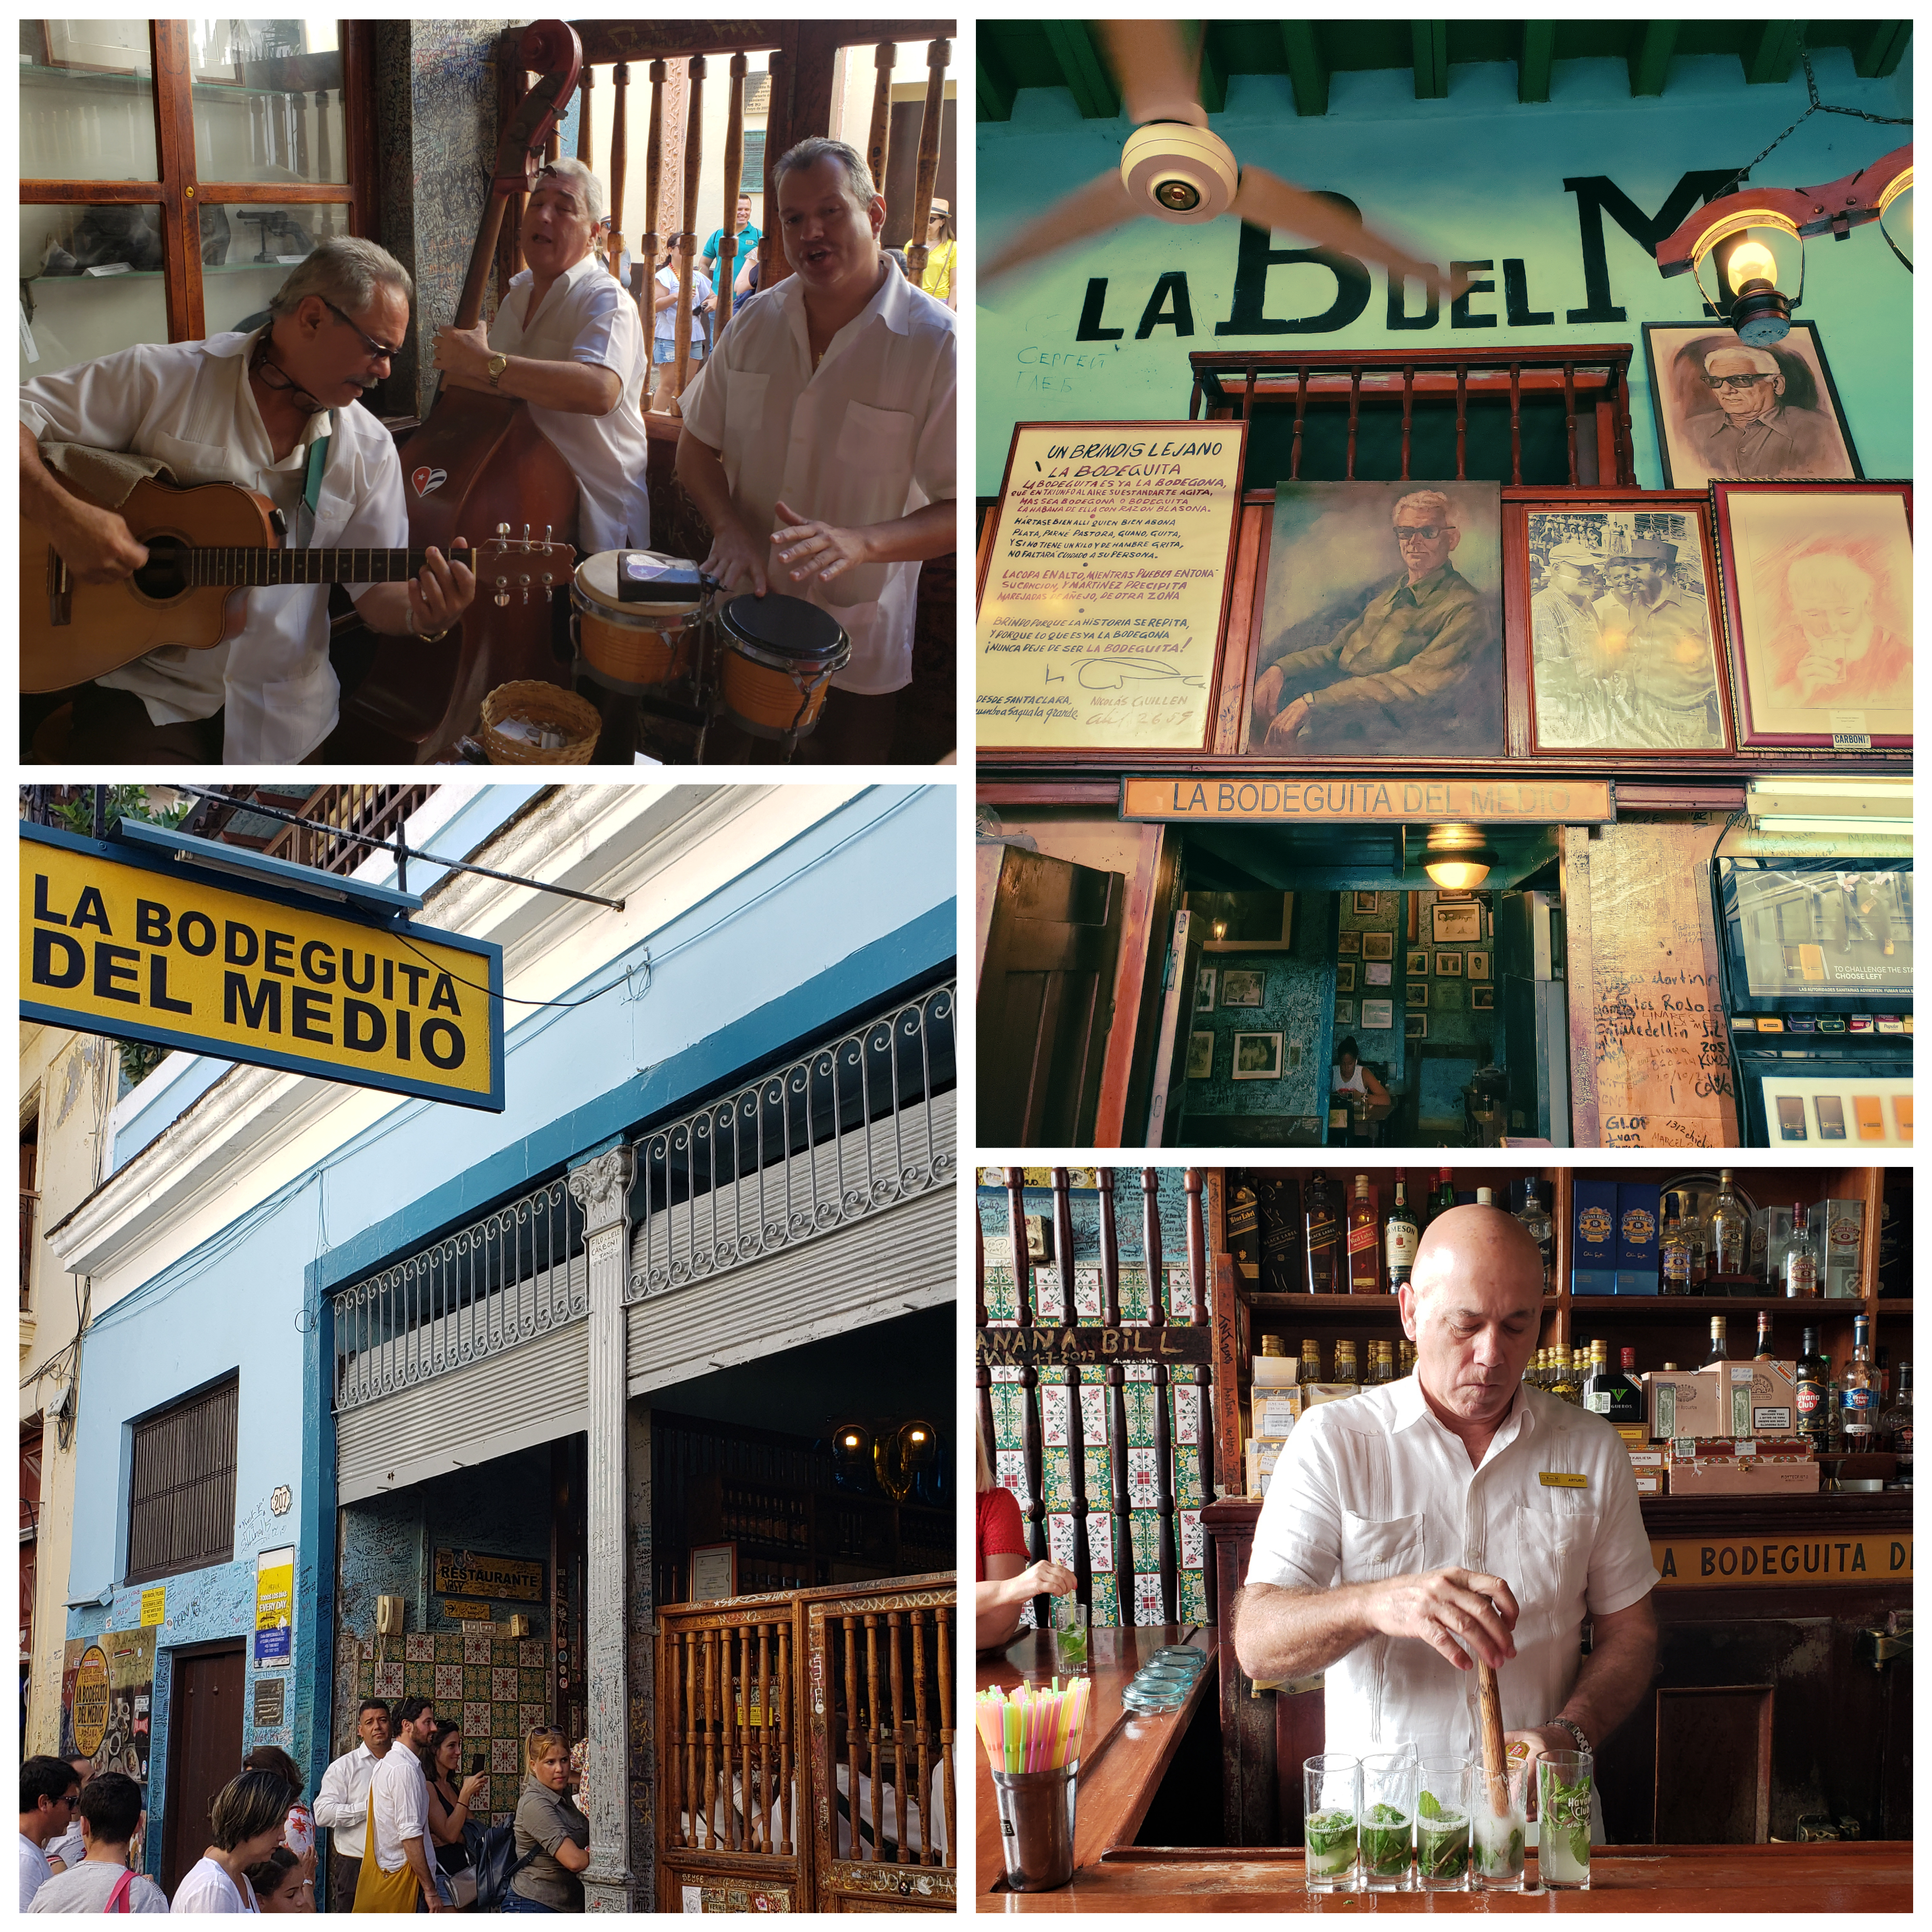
point(1411, 1530)
point(1351, 1076)
point(567, 341)
point(819, 442)
point(246, 409)
point(1003, 1581)
point(1398, 672)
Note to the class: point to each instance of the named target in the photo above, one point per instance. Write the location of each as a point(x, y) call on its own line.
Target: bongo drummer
point(818, 442)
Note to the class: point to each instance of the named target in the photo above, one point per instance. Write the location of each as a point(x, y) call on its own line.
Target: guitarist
point(246, 409)
point(568, 341)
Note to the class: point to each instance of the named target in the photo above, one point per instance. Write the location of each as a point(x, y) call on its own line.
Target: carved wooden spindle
point(1355, 415)
point(878, 141)
point(643, 279)
point(896, 1649)
point(1626, 466)
point(931, 131)
point(691, 1728)
point(1163, 1431)
point(728, 1738)
point(620, 161)
point(949, 1797)
point(1516, 422)
point(1301, 410)
point(709, 1838)
point(586, 80)
point(1462, 439)
point(725, 267)
point(323, 168)
point(1035, 1511)
point(1570, 416)
point(788, 1820)
point(766, 1725)
point(687, 241)
point(1408, 413)
point(922, 1719)
point(298, 108)
point(1119, 1501)
point(982, 1375)
point(871, 1729)
point(1076, 1430)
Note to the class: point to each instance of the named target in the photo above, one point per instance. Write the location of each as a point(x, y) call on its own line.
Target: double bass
point(476, 464)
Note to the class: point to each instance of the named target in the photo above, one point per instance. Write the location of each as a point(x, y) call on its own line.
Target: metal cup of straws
point(1037, 1810)
point(1032, 1742)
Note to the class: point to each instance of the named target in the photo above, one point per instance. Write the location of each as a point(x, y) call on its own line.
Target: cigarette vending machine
point(1817, 992)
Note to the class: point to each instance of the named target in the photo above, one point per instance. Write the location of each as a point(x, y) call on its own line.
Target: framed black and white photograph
point(1478, 966)
point(1448, 965)
point(1458, 922)
point(1345, 976)
point(1367, 905)
point(1241, 987)
point(1345, 1012)
point(1200, 1056)
point(1378, 973)
point(1416, 959)
point(1415, 1026)
point(1348, 942)
point(1203, 990)
point(1378, 946)
point(1378, 1015)
point(1416, 992)
point(1258, 1056)
point(1482, 999)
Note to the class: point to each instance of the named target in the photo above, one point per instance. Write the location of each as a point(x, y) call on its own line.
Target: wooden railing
point(805, 1750)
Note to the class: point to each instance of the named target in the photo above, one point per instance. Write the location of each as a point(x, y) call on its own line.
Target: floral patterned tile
point(1053, 1418)
point(448, 1684)
point(389, 1681)
point(419, 1648)
point(1060, 1540)
point(1143, 1479)
point(1187, 1415)
point(529, 1716)
point(1012, 1473)
point(506, 1754)
point(1099, 1541)
point(531, 1685)
point(475, 1720)
point(530, 1653)
point(1146, 1601)
point(1087, 1292)
point(476, 1648)
point(1092, 1414)
point(503, 1684)
point(1192, 1543)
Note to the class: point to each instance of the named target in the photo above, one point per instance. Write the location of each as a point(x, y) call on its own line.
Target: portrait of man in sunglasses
point(1755, 428)
point(1399, 670)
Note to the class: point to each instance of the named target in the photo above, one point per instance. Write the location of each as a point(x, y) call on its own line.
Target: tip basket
point(540, 704)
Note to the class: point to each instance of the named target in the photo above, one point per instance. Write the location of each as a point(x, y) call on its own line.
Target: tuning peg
point(527, 596)
point(502, 600)
point(546, 536)
point(526, 536)
point(503, 530)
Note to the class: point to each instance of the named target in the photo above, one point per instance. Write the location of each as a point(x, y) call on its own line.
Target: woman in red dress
point(1004, 1580)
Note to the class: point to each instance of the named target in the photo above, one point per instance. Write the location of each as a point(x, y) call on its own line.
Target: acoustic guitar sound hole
point(162, 577)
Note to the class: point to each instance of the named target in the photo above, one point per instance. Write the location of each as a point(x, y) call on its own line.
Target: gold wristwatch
point(498, 364)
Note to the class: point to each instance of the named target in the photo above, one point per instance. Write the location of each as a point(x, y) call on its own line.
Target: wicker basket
point(541, 704)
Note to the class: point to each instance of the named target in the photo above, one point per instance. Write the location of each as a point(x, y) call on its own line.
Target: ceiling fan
point(1175, 168)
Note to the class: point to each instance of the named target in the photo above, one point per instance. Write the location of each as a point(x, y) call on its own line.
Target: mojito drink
point(1386, 1838)
point(1331, 1842)
point(1563, 1810)
point(1069, 1648)
point(1442, 1843)
point(1498, 1845)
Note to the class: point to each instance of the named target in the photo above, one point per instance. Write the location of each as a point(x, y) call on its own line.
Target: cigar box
point(1315, 1392)
point(1637, 1434)
point(1650, 1485)
point(1276, 1413)
point(1593, 1252)
point(1274, 1372)
point(1761, 1397)
point(1744, 1476)
point(1685, 1403)
point(1261, 1458)
point(1721, 1448)
point(1647, 1460)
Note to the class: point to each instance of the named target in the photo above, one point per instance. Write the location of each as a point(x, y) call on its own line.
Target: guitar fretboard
point(237, 564)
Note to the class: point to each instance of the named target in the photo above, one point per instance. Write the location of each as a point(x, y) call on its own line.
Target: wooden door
point(1052, 930)
point(204, 1751)
point(1177, 1019)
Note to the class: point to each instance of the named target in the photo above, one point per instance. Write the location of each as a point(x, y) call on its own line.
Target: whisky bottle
point(1399, 1236)
point(1895, 1427)
point(1536, 1223)
point(1364, 1237)
point(1322, 1238)
point(1346, 1372)
point(1800, 1259)
point(1857, 1390)
point(1763, 1336)
point(1729, 1235)
point(1674, 1256)
point(1444, 1198)
point(1721, 1351)
point(1311, 1362)
point(1814, 1392)
point(1280, 1209)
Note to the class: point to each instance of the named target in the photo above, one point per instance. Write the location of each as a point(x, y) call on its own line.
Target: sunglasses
point(376, 348)
point(1418, 533)
point(1737, 381)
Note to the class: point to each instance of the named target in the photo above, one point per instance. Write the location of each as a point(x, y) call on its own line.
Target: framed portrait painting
point(1817, 600)
point(1367, 905)
point(1348, 942)
point(1482, 999)
point(1345, 1012)
point(1478, 965)
point(1724, 409)
point(1258, 1056)
point(1456, 923)
point(1378, 1015)
point(1448, 965)
point(1200, 1055)
point(1380, 628)
point(1203, 990)
point(1378, 946)
point(1416, 960)
point(1345, 976)
point(1239, 987)
point(1618, 605)
point(1416, 993)
point(1415, 1026)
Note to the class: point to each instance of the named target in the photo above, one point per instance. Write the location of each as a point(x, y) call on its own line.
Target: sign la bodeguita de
point(116, 940)
point(1703, 1561)
point(1376, 798)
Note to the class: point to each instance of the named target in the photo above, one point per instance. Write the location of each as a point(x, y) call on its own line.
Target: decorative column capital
point(600, 1187)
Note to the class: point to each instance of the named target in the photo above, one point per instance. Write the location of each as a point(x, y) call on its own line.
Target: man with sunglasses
point(48, 1787)
point(1398, 671)
point(1754, 431)
point(246, 409)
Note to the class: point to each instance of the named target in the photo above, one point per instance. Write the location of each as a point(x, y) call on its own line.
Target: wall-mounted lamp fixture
point(1456, 858)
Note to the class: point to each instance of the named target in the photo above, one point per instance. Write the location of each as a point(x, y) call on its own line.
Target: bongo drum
point(634, 642)
point(780, 654)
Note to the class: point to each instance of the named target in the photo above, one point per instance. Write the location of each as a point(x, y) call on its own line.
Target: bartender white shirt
point(587, 317)
point(867, 437)
point(190, 403)
point(1374, 1486)
point(342, 1802)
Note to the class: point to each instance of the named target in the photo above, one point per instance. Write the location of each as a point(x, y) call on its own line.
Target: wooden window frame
point(181, 191)
point(146, 1426)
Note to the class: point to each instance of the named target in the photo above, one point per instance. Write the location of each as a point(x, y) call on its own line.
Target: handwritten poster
point(1101, 612)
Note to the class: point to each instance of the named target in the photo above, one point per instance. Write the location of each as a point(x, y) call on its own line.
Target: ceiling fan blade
point(1269, 202)
point(1160, 78)
point(1103, 203)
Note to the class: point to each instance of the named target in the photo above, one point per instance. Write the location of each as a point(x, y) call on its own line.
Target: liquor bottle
point(1814, 1392)
point(1617, 1395)
point(1485, 1197)
point(1565, 1387)
point(1444, 1198)
point(1408, 1358)
point(1895, 1426)
point(1363, 1273)
point(1721, 1351)
point(1345, 1371)
point(1381, 1364)
point(1281, 1261)
point(1311, 1361)
point(1536, 1223)
point(1763, 1336)
point(1244, 1231)
point(1674, 1257)
point(1399, 1236)
point(1321, 1238)
point(1857, 1389)
point(1800, 1259)
point(1729, 1233)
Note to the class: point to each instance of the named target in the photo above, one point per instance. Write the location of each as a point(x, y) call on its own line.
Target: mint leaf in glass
point(1426, 1806)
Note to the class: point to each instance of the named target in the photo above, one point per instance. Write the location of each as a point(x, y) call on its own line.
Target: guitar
point(208, 544)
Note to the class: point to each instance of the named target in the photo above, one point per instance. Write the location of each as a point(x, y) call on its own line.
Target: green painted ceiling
point(1013, 54)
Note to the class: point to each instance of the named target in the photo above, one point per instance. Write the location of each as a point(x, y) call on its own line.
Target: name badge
point(1561, 1479)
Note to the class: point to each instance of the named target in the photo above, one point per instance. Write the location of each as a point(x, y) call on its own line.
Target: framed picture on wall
point(1619, 605)
point(1724, 408)
point(1200, 1055)
point(714, 1572)
point(1258, 1056)
point(1416, 993)
point(1478, 965)
point(1345, 1012)
point(1348, 942)
point(1448, 965)
point(1203, 990)
point(1417, 960)
point(1482, 999)
point(1241, 987)
point(1378, 1015)
point(1367, 905)
point(1415, 1026)
point(1378, 946)
point(1458, 922)
point(1816, 580)
point(1378, 973)
point(1345, 976)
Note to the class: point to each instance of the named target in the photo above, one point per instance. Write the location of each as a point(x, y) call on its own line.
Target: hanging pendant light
point(1456, 858)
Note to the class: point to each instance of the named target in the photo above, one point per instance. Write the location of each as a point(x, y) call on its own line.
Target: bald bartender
point(1415, 1527)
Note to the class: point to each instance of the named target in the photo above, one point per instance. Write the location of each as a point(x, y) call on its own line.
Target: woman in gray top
point(548, 1825)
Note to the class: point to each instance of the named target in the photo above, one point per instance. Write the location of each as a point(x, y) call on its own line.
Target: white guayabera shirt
point(866, 437)
point(190, 403)
point(1374, 1486)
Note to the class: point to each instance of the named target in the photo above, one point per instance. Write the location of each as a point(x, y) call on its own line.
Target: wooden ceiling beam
point(1534, 60)
point(1307, 70)
point(1652, 43)
point(1213, 72)
point(1883, 49)
point(997, 86)
point(1769, 51)
point(1083, 67)
point(1430, 39)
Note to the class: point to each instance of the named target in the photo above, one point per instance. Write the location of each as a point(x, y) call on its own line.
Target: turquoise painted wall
point(1475, 176)
point(1298, 988)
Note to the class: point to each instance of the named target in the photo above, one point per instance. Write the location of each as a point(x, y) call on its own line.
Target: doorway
point(204, 1749)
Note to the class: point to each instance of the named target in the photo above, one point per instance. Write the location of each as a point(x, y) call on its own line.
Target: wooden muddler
point(1490, 1705)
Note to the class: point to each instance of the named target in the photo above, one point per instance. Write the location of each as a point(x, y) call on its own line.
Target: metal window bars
point(857, 1125)
point(516, 1273)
